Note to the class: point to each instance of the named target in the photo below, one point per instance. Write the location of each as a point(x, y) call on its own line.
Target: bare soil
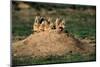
point(44, 44)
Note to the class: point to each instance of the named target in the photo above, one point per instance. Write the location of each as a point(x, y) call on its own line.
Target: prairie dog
point(57, 22)
point(62, 24)
point(42, 25)
point(47, 26)
point(37, 19)
point(36, 24)
point(52, 26)
point(47, 23)
point(49, 20)
point(36, 27)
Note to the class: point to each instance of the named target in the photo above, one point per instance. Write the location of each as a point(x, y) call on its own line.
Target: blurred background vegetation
point(80, 19)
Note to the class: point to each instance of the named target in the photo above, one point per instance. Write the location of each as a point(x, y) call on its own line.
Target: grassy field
point(53, 59)
point(80, 22)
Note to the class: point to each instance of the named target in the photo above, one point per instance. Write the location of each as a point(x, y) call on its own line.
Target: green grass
point(81, 25)
point(53, 59)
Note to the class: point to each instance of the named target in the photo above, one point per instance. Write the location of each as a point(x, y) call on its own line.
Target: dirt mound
point(45, 44)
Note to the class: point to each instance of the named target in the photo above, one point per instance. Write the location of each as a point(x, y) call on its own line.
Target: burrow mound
point(51, 43)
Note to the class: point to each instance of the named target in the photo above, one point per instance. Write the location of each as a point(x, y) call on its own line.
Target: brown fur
point(46, 24)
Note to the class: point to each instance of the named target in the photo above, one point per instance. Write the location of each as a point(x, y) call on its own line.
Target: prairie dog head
point(49, 19)
point(37, 19)
point(42, 25)
point(57, 22)
point(62, 24)
point(36, 27)
point(36, 24)
point(47, 25)
point(52, 25)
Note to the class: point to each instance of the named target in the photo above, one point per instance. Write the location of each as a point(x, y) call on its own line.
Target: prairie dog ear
point(63, 21)
point(58, 20)
point(49, 20)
